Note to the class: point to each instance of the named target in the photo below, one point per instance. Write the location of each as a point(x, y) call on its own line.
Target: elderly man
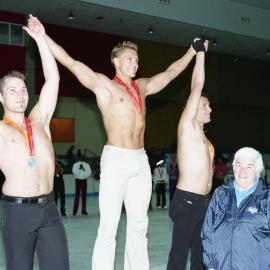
point(236, 230)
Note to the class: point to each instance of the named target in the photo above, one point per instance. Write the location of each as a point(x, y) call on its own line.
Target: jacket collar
point(261, 187)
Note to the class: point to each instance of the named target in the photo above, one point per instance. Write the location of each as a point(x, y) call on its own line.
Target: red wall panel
point(11, 58)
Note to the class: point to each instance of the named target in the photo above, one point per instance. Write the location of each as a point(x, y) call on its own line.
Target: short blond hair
point(122, 46)
point(11, 74)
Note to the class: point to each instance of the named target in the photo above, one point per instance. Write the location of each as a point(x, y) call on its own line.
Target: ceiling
point(115, 21)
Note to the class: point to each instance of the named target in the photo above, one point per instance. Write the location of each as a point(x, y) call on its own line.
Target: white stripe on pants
point(125, 176)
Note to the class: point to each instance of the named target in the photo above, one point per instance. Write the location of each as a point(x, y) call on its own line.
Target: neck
point(201, 125)
point(15, 117)
point(243, 187)
point(125, 79)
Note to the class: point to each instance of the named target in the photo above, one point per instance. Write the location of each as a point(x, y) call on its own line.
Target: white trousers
point(125, 176)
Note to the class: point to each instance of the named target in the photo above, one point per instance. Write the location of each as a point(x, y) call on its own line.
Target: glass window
point(16, 34)
point(4, 32)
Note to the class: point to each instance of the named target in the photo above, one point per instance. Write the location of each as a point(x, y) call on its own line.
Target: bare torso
point(195, 159)
point(21, 180)
point(123, 122)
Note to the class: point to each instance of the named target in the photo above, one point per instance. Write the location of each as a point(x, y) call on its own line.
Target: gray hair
point(252, 153)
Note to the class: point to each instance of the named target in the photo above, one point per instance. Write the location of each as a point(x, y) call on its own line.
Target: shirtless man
point(125, 172)
point(195, 159)
point(30, 218)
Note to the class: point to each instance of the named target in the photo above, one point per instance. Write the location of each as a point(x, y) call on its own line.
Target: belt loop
point(42, 200)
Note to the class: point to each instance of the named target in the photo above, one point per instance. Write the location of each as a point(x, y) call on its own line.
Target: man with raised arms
point(125, 172)
point(30, 219)
point(195, 159)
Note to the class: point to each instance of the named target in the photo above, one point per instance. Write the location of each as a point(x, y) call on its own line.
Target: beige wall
point(89, 130)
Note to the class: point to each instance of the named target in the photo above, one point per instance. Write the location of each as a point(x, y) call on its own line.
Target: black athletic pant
point(187, 211)
point(27, 227)
point(59, 191)
point(161, 192)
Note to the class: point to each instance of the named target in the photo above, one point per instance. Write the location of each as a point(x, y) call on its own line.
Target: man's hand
point(199, 45)
point(34, 28)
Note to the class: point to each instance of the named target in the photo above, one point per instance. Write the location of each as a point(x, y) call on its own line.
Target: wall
point(89, 130)
point(238, 91)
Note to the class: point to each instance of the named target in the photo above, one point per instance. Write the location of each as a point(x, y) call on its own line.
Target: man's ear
point(116, 62)
point(1, 98)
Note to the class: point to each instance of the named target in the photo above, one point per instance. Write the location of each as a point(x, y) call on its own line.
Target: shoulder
point(142, 84)
point(222, 193)
point(75, 164)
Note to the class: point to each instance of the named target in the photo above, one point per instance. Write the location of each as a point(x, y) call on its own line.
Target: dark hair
point(12, 74)
point(121, 46)
point(186, 99)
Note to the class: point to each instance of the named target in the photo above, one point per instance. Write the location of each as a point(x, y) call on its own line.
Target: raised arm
point(87, 77)
point(48, 97)
point(197, 83)
point(160, 81)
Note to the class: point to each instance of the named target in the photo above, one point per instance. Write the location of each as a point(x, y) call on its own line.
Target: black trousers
point(187, 211)
point(161, 193)
point(59, 191)
point(81, 186)
point(172, 187)
point(29, 227)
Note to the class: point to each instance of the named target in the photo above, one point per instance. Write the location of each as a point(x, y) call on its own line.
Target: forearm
point(180, 65)
point(59, 53)
point(49, 65)
point(161, 80)
point(198, 75)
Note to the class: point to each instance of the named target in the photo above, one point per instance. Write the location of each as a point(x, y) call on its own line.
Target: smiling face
point(127, 63)
point(14, 95)
point(245, 172)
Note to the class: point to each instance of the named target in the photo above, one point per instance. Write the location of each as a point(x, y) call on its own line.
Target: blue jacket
point(237, 238)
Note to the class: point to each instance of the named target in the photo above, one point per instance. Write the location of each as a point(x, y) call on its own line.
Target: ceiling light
point(267, 52)
point(150, 30)
point(70, 15)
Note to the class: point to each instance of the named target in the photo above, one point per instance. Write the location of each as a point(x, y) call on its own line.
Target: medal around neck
point(32, 162)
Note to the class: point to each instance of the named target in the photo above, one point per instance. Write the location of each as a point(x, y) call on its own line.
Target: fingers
point(25, 29)
point(33, 21)
point(206, 44)
point(200, 45)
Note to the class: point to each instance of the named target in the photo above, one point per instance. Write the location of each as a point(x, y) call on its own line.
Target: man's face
point(127, 62)
point(245, 172)
point(204, 111)
point(14, 96)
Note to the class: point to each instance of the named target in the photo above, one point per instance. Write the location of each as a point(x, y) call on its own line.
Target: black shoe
point(84, 213)
point(63, 213)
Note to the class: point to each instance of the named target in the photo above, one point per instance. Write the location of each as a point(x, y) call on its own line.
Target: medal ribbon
point(136, 101)
point(28, 135)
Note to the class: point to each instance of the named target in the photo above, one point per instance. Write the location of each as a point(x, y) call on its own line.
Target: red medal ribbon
point(28, 135)
point(136, 101)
